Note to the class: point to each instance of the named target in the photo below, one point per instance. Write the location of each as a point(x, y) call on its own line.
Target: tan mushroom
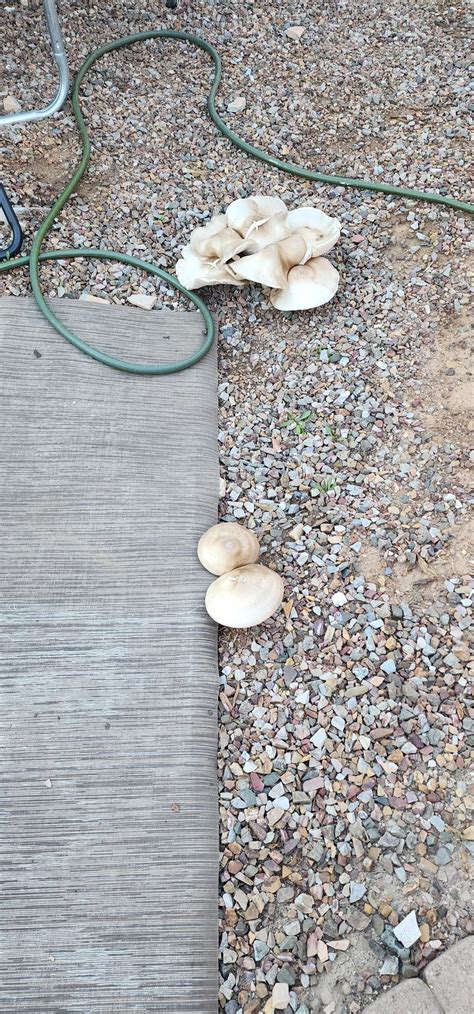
point(227, 546)
point(216, 241)
point(262, 234)
point(271, 265)
point(246, 212)
point(319, 230)
point(194, 272)
point(308, 285)
point(245, 597)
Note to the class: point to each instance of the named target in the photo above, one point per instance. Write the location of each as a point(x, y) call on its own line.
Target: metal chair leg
point(60, 57)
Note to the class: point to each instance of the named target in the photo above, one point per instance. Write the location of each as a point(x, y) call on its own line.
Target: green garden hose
point(36, 256)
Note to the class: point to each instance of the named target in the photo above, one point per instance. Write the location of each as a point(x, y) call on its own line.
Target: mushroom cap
point(194, 272)
point(215, 241)
point(271, 265)
point(263, 233)
point(227, 546)
point(245, 597)
point(244, 212)
point(320, 230)
point(308, 285)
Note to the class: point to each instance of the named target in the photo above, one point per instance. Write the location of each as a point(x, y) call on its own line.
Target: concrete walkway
point(447, 986)
point(108, 717)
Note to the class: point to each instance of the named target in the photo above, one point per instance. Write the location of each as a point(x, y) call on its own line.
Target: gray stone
point(357, 892)
point(451, 659)
point(260, 949)
point(409, 971)
point(289, 943)
point(390, 941)
point(409, 997)
point(248, 796)
point(304, 903)
point(388, 841)
point(408, 690)
point(390, 966)
point(388, 667)
point(442, 857)
point(286, 975)
point(451, 977)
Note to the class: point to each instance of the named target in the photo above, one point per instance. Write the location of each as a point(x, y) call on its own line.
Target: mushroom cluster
point(259, 240)
point(245, 593)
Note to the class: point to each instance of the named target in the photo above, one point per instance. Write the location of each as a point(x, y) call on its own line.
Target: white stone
point(339, 599)
point(87, 297)
point(280, 995)
point(143, 301)
point(237, 105)
point(295, 32)
point(319, 739)
point(408, 931)
point(11, 104)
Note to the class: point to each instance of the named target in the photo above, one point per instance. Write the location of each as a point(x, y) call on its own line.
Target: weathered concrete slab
point(410, 997)
point(451, 978)
point(108, 720)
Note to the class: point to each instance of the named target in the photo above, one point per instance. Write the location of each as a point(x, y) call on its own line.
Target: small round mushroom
point(227, 546)
point(245, 597)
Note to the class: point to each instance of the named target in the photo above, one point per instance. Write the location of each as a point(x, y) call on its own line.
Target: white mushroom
point(271, 265)
point(245, 597)
point(308, 285)
point(262, 234)
point(247, 211)
point(258, 240)
point(227, 546)
point(194, 272)
point(320, 231)
point(216, 241)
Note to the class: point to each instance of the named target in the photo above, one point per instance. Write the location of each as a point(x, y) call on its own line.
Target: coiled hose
point(36, 255)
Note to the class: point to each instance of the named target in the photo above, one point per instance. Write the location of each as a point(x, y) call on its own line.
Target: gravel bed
point(345, 728)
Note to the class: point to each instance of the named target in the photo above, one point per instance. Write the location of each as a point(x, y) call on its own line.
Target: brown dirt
point(447, 393)
point(422, 580)
point(400, 254)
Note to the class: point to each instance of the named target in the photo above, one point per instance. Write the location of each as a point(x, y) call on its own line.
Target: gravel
point(345, 729)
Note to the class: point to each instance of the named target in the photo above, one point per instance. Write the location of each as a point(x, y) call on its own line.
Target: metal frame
point(59, 53)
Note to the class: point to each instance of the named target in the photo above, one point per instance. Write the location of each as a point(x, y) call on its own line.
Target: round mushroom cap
point(227, 546)
point(246, 211)
point(245, 597)
point(320, 231)
point(308, 285)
